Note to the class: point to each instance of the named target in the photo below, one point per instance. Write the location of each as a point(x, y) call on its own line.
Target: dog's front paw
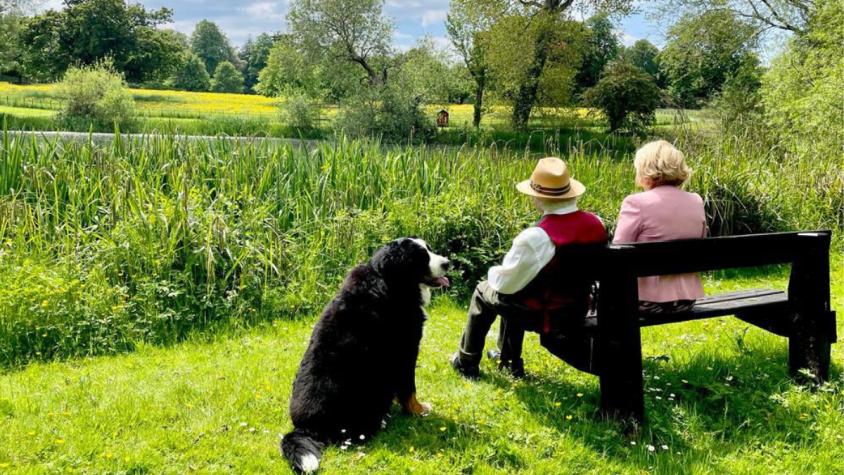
point(416, 408)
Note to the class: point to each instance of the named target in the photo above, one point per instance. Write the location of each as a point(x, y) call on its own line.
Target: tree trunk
point(480, 83)
point(526, 97)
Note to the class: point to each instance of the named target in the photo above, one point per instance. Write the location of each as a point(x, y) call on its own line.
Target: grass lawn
point(717, 395)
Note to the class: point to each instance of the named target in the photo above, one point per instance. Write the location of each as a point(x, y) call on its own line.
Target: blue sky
point(413, 19)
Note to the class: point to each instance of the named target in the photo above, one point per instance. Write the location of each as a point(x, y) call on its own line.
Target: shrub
point(300, 111)
point(192, 75)
point(96, 95)
point(54, 310)
point(391, 113)
point(227, 78)
point(627, 95)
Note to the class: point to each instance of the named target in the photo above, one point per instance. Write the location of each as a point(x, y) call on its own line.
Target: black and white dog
point(362, 353)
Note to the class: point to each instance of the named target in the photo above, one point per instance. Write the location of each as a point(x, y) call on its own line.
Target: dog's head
point(411, 260)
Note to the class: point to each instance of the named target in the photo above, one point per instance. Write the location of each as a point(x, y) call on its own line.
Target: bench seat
point(732, 303)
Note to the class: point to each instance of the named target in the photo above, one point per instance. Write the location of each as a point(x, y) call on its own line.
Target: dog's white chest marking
point(426, 295)
point(309, 463)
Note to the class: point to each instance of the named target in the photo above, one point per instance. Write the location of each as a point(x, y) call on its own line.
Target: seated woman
point(662, 212)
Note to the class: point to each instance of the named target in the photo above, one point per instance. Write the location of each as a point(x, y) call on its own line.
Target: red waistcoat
point(553, 289)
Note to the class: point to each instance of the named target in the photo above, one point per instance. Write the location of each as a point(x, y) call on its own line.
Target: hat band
point(550, 191)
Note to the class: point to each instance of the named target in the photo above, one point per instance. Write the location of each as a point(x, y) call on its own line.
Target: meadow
point(156, 295)
point(33, 107)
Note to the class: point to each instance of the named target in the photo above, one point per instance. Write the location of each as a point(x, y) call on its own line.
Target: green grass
point(217, 404)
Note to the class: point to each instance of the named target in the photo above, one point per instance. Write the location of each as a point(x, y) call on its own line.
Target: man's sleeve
point(532, 250)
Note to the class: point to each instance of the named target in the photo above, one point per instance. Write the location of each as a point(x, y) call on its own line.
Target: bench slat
point(756, 303)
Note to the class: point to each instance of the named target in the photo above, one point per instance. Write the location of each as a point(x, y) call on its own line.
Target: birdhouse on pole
point(442, 118)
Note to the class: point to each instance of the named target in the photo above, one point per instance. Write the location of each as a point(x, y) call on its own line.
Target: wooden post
point(813, 323)
point(620, 347)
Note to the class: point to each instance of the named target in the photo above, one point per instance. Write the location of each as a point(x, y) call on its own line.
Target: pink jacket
point(663, 213)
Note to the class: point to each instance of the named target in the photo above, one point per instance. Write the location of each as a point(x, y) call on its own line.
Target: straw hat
point(551, 180)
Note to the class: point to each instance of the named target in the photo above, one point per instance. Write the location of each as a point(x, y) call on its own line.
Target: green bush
point(627, 95)
point(50, 310)
point(191, 75)
point(95, 95)
point(300, 111)
point(390, 113)
point(227, 78)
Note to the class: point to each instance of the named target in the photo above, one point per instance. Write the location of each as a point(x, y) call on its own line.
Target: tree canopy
point(86, 31)
point(227, 78)
point(211, 45)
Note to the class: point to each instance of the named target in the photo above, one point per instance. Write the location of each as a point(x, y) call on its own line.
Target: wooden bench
point(802, 314)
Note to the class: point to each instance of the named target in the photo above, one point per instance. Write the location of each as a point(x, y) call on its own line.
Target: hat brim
point(576, 190)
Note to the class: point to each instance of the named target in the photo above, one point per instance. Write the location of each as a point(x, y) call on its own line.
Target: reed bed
point(151, 239)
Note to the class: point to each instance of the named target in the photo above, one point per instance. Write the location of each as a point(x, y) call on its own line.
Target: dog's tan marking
point(414, 407)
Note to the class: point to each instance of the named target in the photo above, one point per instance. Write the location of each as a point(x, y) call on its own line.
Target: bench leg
point(809, 349)
point(622, 387)
point(620, 350)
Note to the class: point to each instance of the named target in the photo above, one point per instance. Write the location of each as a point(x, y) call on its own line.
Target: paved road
point(99, 137)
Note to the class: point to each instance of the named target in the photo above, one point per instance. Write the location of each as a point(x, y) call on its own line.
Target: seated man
point(517, 288)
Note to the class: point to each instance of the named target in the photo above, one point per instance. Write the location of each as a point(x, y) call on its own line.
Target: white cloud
point(625, 38)
point(265, 10)
point(432, 17)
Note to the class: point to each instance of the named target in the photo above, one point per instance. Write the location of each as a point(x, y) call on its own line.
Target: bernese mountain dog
point(362, 353)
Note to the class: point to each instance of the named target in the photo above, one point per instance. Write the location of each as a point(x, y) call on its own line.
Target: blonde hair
point(660, 163)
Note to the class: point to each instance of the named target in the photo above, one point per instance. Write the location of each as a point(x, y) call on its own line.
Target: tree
point(352, 31)
point(627, 96)
point(783, 15)
point(227, 78)
point(544, 18)
point(87, 31)
point(254, 56)
point(702, 51)
point(192, 76)
point(601, 48)
point(211, 45)
point(645, 55)
point(510, 68)
point(802, 90)
point(467, 22)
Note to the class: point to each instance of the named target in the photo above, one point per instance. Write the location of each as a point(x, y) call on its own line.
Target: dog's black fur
point(362, 353)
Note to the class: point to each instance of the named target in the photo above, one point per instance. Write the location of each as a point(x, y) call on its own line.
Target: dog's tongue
point(443, 281)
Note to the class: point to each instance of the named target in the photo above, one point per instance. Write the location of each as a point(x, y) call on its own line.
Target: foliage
point(211, 45)
point(424, 69)
point(739, 103)
point(300, 111)
point(513, 67)
point(254, 56)
point(288, 69)
point(393, 113)
point(601, 47)
point(10, 54)
point(54, 311)
point(645, 56)
point(802, 89)
point(467, 23)
point(227, 78)
point(350, 31)
point(779, 15)
point(87, 31)
point(542, 23)
point(702, 51)
point(627, 96)
point(192, 75)
point(97, 95)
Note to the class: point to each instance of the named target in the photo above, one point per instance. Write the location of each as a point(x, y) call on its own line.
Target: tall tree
point(254, 55)
point(211, 45)
point(544, 15)
point(467, 22)
point(227, 78)
point(601, 48)
point(352, 31)
point(86, 31)
point(702, 51)
point(783, 15)
point(645, 55)
point(191, 75)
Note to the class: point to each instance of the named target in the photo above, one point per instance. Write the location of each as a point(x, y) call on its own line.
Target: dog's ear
point(398, 259)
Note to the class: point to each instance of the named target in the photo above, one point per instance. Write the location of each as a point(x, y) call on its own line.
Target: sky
point(413, 19)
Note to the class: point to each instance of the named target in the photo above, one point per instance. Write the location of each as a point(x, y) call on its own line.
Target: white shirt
point(532, 250)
